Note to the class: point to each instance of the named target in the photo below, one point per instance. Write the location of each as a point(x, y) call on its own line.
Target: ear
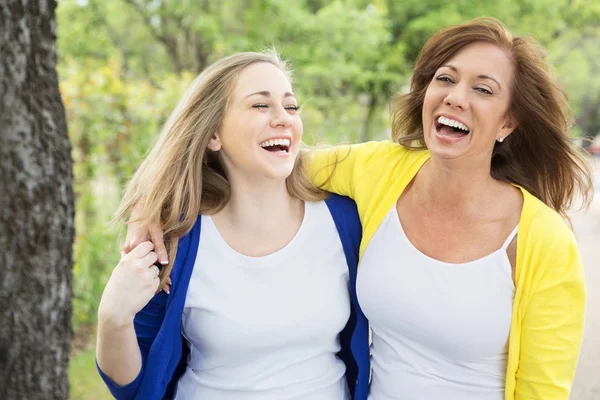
point(214, 143)
point(510, 124)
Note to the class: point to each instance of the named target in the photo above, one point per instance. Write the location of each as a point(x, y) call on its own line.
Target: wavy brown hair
point(538, 155)
point(180, 178)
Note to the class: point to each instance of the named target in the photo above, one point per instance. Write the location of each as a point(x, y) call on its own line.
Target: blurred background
point(123, 64)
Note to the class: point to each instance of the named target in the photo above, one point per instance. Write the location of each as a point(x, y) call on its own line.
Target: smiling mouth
point(276, 145)
point(277, 149)
point(451, 128)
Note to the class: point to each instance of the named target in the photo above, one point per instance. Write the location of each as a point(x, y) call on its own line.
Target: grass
point(84, 380)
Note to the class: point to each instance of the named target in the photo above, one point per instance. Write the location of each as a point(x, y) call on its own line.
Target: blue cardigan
point(158, 325)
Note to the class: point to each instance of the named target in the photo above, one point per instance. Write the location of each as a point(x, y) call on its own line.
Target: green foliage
point(112, 122)
point(84, 381)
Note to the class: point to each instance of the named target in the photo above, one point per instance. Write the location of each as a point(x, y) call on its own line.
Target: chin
point(279, 173)
point(439, 151)
point(445, 154)
point(284, 174)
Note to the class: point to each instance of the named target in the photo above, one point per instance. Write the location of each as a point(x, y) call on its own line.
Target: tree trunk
point(36, 207)
point(365, 134)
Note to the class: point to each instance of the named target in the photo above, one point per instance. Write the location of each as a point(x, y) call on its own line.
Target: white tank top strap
point(510, 237)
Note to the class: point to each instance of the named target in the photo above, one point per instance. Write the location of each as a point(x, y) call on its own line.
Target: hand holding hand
point(132, 284)
point(137, 233)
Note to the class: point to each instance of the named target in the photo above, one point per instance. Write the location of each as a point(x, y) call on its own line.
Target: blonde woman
point(470, 276)
point(261, 263)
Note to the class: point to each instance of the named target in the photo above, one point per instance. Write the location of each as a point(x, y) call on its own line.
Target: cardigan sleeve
point(336, 168)
point(552, 327)
point(147, 323)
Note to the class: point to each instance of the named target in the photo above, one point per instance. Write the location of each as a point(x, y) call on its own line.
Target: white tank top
point(266, 328)
point(439, 330)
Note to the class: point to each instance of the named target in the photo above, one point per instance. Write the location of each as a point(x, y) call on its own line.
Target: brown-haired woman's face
point(466, 104)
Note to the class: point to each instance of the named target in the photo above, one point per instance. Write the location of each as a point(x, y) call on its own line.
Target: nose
point(457, 97)
point(281, 117)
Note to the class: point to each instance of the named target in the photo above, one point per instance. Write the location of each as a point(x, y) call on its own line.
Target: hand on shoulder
point(132, 284)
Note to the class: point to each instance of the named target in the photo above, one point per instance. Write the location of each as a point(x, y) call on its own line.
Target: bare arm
point(132, 285)
point(138, 233)
point(117, 352)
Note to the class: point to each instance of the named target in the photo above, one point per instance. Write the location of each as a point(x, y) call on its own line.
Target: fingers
point(155, 270)
point(143, 257)
point(149, 260)
point(166, 287)
point(141, 251)
point(127, 245)
point(157, 237)
point(135, 240)
point(139, 237)
point(136, 234)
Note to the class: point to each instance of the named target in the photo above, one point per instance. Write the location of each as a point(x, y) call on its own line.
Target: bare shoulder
point(514, 198)
point(506, 205)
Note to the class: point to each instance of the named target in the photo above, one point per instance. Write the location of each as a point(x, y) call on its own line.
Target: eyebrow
point(266, 93)
point(453, 68)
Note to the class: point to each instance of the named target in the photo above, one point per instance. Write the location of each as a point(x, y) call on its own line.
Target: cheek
point(297, 127)
point(430, 103)
point(433, 97)
point(491, 118)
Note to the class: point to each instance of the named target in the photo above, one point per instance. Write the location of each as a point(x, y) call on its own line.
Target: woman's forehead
point(482, 59)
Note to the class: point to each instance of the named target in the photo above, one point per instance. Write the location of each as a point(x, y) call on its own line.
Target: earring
point(500, 139)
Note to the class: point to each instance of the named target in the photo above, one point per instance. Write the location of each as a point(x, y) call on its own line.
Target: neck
point(259, 207)
point(454, 184)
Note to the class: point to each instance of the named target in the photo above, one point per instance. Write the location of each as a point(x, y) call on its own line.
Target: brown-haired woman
point(469, 275)
point(460, 305)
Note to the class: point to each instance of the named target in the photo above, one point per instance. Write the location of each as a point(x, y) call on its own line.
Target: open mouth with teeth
point(451, 128)
point(276, 145)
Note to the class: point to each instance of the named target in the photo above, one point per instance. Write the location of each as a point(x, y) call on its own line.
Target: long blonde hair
point(538, 155)
point(180, 178)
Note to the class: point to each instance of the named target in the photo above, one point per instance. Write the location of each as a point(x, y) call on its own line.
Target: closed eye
point(443, 78)
point(483, 90)
point(291, 107)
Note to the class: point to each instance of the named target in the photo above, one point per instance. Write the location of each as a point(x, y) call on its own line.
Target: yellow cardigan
point(549, 303)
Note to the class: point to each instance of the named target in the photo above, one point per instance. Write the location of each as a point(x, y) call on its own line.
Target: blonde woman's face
point(262, 129)
point(466, 104)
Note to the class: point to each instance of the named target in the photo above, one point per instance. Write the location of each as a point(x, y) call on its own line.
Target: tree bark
point(36, 207)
